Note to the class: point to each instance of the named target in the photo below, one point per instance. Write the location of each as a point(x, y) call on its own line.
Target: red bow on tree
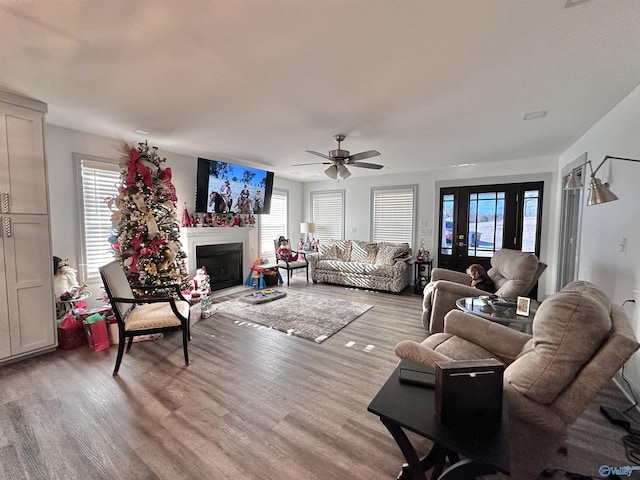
point(135, 166)
point(165, 176)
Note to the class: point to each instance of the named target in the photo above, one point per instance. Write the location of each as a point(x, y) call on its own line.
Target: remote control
point(415, 377)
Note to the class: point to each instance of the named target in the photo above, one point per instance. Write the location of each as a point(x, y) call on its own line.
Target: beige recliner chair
point(513, 272)
point(580, 340)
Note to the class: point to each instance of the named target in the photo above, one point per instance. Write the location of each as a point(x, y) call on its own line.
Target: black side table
point(471, 449)
point(421, 274)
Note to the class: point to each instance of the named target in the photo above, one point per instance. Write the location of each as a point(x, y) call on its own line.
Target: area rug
point(311, 317)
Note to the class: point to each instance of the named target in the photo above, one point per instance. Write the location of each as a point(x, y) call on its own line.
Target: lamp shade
point(332, 172)
point(599, 193)
point(344, 172)
point(574, 182)
point(307, 227)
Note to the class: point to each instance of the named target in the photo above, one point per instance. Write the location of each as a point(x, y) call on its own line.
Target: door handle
point(7, 227)
point(5, 203)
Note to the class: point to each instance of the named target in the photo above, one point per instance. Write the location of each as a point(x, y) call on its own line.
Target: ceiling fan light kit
point(332, 172)
point(339, 160)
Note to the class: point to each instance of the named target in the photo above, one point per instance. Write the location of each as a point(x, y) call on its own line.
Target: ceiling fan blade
point(314, 163)
point(362, 155)
point(319, 154)
point(366, 165)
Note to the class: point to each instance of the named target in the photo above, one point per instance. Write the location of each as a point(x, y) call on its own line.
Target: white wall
point(61, 143)
point(617, 273)
point(358, 200)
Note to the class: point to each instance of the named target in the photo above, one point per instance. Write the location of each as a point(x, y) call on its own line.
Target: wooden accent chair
point(290, 266)
point(143, 316)
point(513, 272)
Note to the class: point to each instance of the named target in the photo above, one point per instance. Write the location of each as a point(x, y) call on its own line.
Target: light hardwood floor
point(254, 403)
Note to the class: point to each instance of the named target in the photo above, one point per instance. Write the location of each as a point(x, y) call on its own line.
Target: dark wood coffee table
point(471, 448)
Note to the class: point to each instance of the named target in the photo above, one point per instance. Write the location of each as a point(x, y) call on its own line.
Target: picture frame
point(522, 306)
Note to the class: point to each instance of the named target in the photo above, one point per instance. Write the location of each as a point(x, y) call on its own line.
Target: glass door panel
point(530, 214)
point(448, 209)
point(486, 218)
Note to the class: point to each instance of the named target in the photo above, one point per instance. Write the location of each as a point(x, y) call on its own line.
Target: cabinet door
point(23, 180)
point(29, 279)
point(5, 339)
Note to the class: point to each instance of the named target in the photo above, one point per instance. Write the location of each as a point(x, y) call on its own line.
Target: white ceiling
point(428, 83)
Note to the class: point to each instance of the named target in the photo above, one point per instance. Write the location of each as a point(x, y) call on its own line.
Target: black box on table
point(468, 390)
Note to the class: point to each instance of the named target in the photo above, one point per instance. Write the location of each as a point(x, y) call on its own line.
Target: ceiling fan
point(339, 159)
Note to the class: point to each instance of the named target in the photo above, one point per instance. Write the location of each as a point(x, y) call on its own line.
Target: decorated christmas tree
point(145, 220)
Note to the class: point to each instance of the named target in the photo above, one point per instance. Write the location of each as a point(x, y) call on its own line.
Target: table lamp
point(308, 228)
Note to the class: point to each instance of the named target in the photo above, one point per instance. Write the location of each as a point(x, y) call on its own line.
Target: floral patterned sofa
point(379, 266)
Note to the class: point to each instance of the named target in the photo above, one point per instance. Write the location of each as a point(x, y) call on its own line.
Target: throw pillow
point(328, 252)
point(363, 252)
point(387, 254)
point(343, 250)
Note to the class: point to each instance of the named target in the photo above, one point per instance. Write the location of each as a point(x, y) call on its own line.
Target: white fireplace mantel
point(192, 237)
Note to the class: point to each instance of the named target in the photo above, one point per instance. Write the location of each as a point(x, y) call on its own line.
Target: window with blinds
point(393, 214)
point(327, 211)
point(274, 224)
point(99, 181)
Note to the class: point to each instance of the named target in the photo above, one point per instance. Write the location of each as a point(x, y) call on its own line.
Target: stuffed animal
point(284, 251)
point(64, 279)
point(480, 279)
point(201, 280)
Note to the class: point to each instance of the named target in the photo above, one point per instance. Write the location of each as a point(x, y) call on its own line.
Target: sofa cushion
point(387, 254)
point(568, 329)
point(363, 252)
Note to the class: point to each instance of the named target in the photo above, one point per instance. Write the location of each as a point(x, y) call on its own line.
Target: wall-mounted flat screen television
point(225, 187)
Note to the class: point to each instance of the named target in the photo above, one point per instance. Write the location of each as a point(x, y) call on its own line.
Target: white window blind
point(99, 181)
point(393, 214)
point(327, 211)
point(274, 224)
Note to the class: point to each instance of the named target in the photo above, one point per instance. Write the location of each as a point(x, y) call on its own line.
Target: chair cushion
point(569, 327)
point(155, 315)
point(292, 265)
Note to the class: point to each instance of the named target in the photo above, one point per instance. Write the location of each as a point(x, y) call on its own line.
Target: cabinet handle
point(7, 226)
point(5, 203)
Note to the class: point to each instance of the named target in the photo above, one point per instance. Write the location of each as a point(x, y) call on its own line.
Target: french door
point(478, 220)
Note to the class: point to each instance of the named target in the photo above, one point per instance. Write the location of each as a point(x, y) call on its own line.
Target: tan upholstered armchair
point(513, 272)
point(580, 340)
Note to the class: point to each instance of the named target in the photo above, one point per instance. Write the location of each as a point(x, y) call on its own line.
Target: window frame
point(411, 229)
point(97, 162)
point(319, 222)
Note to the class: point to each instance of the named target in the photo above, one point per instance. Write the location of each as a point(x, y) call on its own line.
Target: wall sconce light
point(598, 192)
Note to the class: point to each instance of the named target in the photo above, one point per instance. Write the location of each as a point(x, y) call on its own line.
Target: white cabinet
point(27, 318)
